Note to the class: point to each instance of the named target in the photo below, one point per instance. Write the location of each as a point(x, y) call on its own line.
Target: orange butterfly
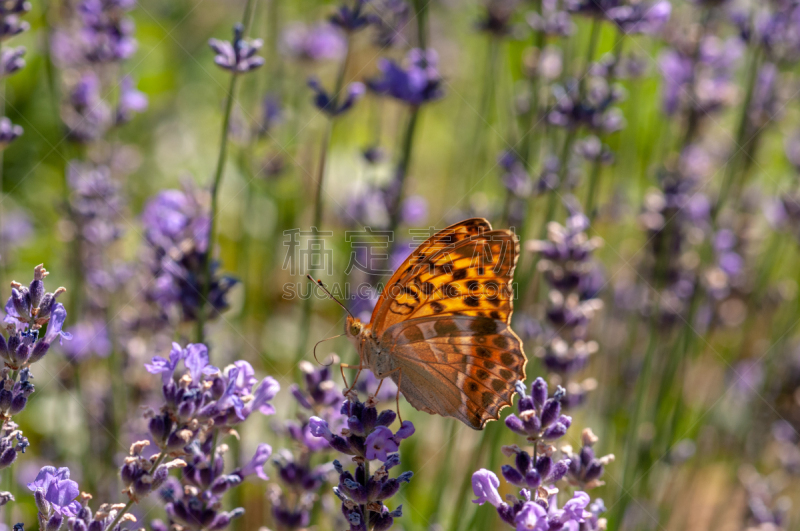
point(441, 329)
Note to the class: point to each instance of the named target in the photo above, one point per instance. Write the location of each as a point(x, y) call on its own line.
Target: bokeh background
point(662, 135)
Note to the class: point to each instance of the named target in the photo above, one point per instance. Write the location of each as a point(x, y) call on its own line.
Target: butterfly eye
point(354, 329)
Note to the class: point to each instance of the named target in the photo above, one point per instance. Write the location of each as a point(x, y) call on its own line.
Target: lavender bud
point(560, 470)
point(3, 346)
point(386, 418)
point(550, 412)
point(21, 301)
point(18, 403)
point(523, 462)
point(533, 479)
point(6, 497)
point(41, 503)
point(160, 427)
point(20, 355)
point(539, 392)
point(543, 465)
point(369, 419)
point(36, 291)
point(128, 473)
point(54, 523)
point(593, 471)
point(14, 342)
point(513, 476)
point(77, 525)
point(6, 397)
point(355, 426)
point(39, 351)
point(556, 431)
point(515, 424)
point(95, 525)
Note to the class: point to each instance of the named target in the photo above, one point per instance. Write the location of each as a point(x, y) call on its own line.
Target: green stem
point(364, 510)
point(402, 168)
point(305, 319)
point(631, 439)
point(218, 174)
point(733, 167)
point(120, 515)
point(215, 185)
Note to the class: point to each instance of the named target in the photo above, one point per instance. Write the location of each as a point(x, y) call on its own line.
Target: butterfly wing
point(445, 239)
point(456, 366)
point(471, 277)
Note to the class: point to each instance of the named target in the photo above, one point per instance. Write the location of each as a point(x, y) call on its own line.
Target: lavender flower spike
point(238, 56)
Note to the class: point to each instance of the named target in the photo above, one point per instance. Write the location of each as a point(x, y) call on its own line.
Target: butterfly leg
point(344, 366)
point(397, 396)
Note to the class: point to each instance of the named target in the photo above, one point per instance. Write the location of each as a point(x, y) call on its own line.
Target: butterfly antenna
point(315, 351)
point(329, 294)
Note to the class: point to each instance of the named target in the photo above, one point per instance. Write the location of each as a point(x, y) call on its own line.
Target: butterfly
point(441, 327)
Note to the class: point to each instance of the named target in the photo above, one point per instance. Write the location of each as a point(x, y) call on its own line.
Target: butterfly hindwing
point(461, 366)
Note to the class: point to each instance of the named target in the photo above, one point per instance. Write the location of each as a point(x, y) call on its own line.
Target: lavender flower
point(131, 101)
point(12, 442)
point(204, 396)
point(55, 495)
point(176, 228)
point(352, 19)
point(390, 20)
point(316, 43)
point(366, 437)
point(566, 260)
point(593, 108)
point(415, 85)
point(585, 470)
point(553, 20)
point(27, 311)
point(8, 132)
point(238, 56)
point(330, 104)
point(89, 338)
point(642, 18)
point(497, 16)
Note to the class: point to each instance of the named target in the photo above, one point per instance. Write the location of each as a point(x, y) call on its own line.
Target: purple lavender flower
point(552, 21)
point(55, 493)
point(352, 19)
point(585, 470)
point(497, 16)
point(367, 436)
point(8, 132)
point(415, 85)
point(642, 18)
point(176, 227)
point(593, 108)
point(390, 20)
point(317, 43)
point(592, 8)
point(12, 442)
point(131, 101)
point(89, 338)
point(27, 311)
point(331, 104)
point(535, 509)
point(238, 56)
point(484, 485)
point(11, 59)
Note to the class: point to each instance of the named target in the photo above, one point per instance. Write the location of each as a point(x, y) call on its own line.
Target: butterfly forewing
point(472, 277)
point(445, 239)
point(462, 367)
